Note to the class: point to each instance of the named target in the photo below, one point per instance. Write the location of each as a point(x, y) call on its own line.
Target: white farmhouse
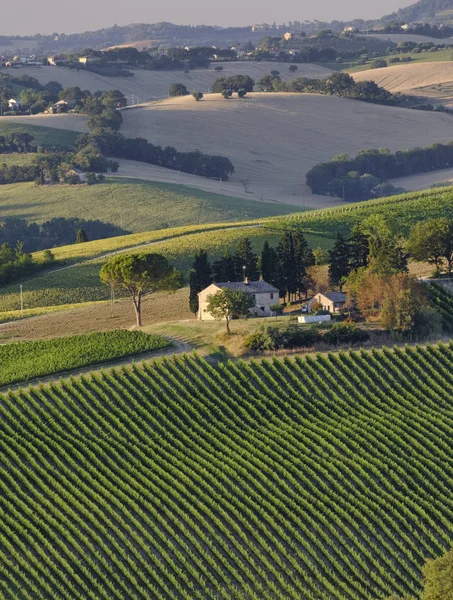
point(265, 295)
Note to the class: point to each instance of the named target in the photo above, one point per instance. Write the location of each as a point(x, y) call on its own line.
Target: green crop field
point(135, 205)
point(324, 478)
point(45, 136)
point(27, 360)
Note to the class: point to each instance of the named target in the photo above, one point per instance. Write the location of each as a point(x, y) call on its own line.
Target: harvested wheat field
point(409, 77)
point(274, 139)
point(396, 38)
point(149, 85)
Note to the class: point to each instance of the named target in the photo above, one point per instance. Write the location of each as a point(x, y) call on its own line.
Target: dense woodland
point(360, 178)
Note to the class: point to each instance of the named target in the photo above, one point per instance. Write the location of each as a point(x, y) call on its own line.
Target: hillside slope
point(432, 11)
point(272, 139)
point(322, 478)
point(149, 85)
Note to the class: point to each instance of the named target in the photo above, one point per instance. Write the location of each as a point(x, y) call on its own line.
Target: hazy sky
point(47, 16)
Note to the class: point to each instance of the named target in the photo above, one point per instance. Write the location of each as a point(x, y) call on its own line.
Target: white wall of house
point(263, 302)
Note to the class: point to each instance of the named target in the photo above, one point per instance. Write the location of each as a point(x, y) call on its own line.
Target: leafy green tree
point(178, 89)
point(197, 96)
point(438, 578)
point(81, 236)
point(245, 257)
point(339, 262)
point(427, 240)
point(228, 303)
point(227, 94)
point(140, 275)
point(292, 68)
point(242, 93)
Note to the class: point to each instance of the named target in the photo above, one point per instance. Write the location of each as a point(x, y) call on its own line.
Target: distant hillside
point(432, 11)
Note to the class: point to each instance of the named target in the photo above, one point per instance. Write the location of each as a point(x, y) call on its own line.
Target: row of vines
point(320, 478)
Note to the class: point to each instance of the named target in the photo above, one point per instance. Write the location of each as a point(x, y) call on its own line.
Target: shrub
point(345, 333)
point(378, 64)
point(275, 338)
point(227, 94)
point(178, 89)
point(197, 96)
point(242, 93)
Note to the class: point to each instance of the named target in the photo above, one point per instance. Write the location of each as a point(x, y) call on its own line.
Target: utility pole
point(112, 301)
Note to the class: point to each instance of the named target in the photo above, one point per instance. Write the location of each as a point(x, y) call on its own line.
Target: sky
point(47, 16)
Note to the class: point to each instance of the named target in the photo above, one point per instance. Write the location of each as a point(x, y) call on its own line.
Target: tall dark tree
point(269, 264)
point(286, 265)
point(339, 262)
point(81, 236)
point(303, 258)
point(245, 257)
point(194, 304)
point(225, 269)
point(359, 250)
point(200, 278)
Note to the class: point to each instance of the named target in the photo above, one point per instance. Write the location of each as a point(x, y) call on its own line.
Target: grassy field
point(324, 477)
point(46, 136)
point(135, 205)
point(29, 360)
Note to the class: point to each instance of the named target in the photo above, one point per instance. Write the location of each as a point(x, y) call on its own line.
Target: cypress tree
point(199, 279)
point(193, 294)
point(303, 258)
point(225, 269)
point(286, 266)
point(359, 250)
point(269, 264)
point(339, 262)
point(81, 236)
point(246, 257)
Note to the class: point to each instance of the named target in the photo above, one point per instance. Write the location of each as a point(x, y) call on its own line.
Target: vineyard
point(442, 301)
point(27, 360)
point(324, 478)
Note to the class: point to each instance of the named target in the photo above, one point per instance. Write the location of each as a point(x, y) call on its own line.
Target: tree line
point(371, 266)
point(58, 231)
point(285, 267)
point(342, 172)
point(15, 263)
point(112, 143)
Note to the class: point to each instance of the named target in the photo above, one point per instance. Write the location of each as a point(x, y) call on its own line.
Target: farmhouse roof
point(252, 287)
point(335, 296)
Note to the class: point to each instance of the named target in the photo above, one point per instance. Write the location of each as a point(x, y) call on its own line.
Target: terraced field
point(322, 478)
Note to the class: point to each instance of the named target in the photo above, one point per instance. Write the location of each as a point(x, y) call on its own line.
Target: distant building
point(333, 302)
point(14, 104)
point(86, 60)
point(288, 36)
point(264, 295)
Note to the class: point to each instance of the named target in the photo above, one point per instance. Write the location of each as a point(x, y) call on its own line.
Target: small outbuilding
point(264, 294)
point(333, 302)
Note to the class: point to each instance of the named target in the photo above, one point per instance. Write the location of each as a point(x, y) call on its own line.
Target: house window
point(272, 296)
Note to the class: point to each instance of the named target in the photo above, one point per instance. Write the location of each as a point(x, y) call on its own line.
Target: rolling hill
point(271, 161)
point(148, 85)
point(324, 478)
point(433, 80)
point(132, 204)
point(431, 11)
